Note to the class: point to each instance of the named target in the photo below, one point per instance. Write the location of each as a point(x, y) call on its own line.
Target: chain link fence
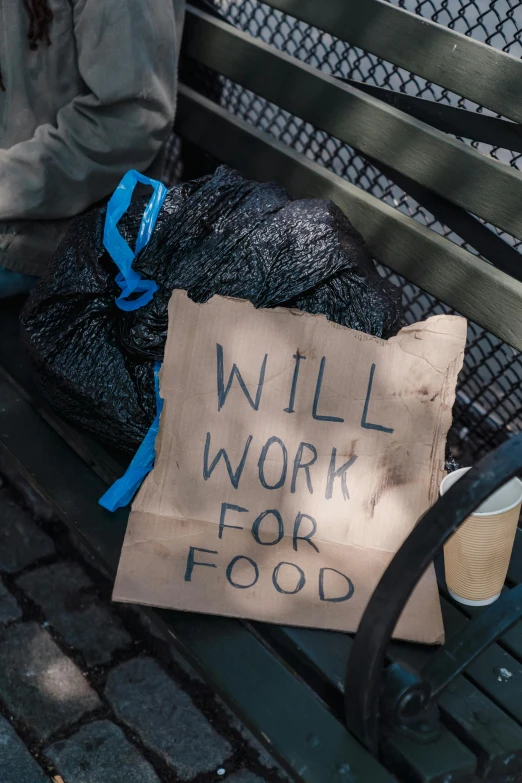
point(489, 397)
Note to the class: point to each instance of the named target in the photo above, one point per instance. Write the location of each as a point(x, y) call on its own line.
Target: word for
point(256, 527)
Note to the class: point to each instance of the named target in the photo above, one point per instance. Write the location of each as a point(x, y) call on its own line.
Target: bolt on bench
point(331, 707)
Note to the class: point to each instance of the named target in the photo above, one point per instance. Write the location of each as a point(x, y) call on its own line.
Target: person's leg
point(12, 283)
point(26, 248)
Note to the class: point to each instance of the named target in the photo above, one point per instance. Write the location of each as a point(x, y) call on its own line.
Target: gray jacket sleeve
point(127, 55)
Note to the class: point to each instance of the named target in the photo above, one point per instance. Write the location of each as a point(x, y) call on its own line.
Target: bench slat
point(450, 119)
point(438, 266)
point(466, 709)
point(470, 68)
point(454, 170)
point(323, 655)
point(250, 677)
point(485, 670)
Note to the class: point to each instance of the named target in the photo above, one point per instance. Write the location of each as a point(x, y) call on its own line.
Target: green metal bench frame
point(288, 684)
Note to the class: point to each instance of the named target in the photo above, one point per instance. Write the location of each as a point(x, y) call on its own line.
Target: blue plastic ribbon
point(130, 281)
point(123, 490)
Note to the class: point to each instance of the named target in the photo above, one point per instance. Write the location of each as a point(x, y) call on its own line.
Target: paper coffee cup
point(476, 557)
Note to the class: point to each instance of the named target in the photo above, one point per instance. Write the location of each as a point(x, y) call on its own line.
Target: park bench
point(332, 708)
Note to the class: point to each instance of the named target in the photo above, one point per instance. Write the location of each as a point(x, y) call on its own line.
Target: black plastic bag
point(221, 234)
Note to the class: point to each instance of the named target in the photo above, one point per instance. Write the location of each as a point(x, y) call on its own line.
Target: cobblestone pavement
point(87, 694)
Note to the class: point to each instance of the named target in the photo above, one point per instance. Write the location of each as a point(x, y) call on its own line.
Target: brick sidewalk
point(85, 692)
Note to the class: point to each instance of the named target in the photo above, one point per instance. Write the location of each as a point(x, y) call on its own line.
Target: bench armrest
point(364, 674)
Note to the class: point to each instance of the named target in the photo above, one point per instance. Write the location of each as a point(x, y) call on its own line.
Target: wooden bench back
point(413, 147)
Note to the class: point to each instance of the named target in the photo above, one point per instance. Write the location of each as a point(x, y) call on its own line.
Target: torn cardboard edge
point(255, 385)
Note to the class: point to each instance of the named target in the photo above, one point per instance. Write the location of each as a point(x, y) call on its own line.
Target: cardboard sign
point(294, 457)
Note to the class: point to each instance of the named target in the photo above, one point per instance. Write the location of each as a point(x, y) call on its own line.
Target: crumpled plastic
point(123, 490)
point(221, 234)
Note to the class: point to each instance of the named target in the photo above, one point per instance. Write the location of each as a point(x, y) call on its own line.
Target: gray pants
point(27, 246)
